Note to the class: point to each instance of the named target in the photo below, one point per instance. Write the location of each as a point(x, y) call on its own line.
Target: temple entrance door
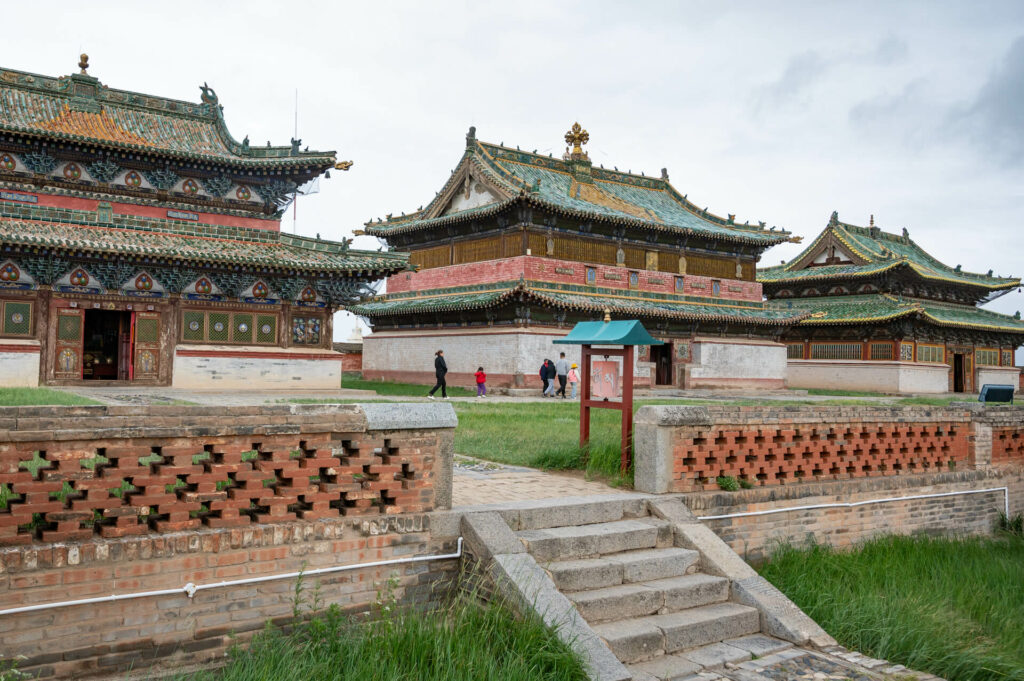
point(958, 373)
point(661, 357)
point(146, 345)
point(67, 350)
point(106, 345)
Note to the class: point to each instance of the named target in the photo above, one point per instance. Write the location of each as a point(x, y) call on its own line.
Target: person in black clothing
point(440, 369)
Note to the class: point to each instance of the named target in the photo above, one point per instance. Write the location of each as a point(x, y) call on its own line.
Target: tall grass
point(463, 642)
point(951, 607)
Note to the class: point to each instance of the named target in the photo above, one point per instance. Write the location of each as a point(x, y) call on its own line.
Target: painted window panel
point(835, 350)
point(17, 318)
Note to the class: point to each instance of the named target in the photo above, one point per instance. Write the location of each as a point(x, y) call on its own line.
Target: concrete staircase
point(647, 599)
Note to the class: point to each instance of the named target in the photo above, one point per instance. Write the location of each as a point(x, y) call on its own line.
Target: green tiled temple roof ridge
point(278, 251)
point(80, 108)
point(880, 251)
point(882, 307)
point(583, 298)
point(547, 182)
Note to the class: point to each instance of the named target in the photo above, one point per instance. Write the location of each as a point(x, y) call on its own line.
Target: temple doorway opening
point(958, 373)
point(661, 357)
point(107, 345)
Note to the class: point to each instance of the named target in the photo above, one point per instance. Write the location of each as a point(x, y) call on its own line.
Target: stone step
point(586, 541)
point(708, 624)
point(643, 638)
point(647, 598)
point(622, 568)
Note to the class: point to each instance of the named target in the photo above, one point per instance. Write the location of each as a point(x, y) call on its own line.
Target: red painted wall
point(550, 269)
point(159, 212)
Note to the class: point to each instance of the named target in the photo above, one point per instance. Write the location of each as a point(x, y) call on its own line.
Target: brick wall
point(536, 268)
point(754, 537)
point(682, 449)
point(172, 630)
point(245, 492)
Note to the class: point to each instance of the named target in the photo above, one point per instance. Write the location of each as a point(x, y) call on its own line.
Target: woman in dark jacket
point(440, 369)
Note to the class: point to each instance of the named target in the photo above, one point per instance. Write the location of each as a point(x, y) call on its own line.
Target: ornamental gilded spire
point(577, 136)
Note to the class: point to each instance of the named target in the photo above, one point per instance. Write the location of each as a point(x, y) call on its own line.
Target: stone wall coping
point(684, 415)
point(103, 422)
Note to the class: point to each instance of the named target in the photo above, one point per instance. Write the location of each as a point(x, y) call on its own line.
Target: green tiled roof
point(283, 252)
point(577, 189)
point(878, 251)
point(79, 108)
point(855, 309)
point(880, 307)
point(590, 299)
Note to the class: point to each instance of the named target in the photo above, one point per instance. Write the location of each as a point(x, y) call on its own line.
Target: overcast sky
point(781, 111)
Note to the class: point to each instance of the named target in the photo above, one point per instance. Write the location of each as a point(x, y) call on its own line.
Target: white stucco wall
point(726, 363)
point(887, 377)
point(501, 352)
point(999, 375)
point(257, 373)
point(19, 369)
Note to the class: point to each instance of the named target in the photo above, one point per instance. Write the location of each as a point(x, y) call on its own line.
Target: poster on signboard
point(604, 380)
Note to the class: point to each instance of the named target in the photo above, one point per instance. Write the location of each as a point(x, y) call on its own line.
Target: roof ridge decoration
point(80, 107)
point(571, 185)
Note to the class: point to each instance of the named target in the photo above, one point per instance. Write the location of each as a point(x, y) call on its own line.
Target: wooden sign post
point(605, 394)
point(601, 400)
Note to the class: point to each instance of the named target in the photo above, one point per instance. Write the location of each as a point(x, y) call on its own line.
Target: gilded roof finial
point(872, 220)
point(83, 63)
point(577, 136)
point(607, 315)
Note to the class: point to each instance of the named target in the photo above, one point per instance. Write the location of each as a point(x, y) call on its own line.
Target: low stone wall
point(683, 449)
point(236, 494)
point(19, 363)
point(754, 536)
point(869, 376)
point(230, 368)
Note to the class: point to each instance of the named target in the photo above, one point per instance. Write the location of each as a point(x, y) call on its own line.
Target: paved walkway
point(476, 482)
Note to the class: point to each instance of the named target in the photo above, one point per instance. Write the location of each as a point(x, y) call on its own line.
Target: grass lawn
point(467, 641)
point(951, 607)
point(390, 388)
point(22, 397)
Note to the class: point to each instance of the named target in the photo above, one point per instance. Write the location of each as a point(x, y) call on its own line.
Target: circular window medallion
point(265, 329)
point(7, 162)
point(243, 193)
point(72, 171)
point(243, 327)
point(204, 286)
point(17, 318)
point(10, 272)
point(133, 179)
point(218, 326)
point(79, 278)
point(193, 325)
point(190, 186)
point(144, 282)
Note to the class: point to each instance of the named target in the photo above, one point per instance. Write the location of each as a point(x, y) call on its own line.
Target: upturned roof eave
point(323, 160)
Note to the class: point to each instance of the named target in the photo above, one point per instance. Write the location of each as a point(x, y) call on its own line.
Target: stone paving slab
point(477, 482)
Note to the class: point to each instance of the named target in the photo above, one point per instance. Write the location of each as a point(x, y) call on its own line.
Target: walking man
point(562, 369)
point(440, 369)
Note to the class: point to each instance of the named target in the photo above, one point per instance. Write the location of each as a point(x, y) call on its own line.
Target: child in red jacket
point(481, 382)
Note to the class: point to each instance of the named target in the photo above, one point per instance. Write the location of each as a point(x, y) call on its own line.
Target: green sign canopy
point(625, 332)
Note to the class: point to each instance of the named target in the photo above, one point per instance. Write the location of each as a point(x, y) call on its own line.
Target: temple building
point(886, 316)
point(517, 247)
point(141, 243)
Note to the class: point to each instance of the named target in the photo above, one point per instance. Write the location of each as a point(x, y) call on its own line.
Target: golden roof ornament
point(577, 137)
point(343, 165)
point(83, 63)
point(607, 315)
point(872, 224)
